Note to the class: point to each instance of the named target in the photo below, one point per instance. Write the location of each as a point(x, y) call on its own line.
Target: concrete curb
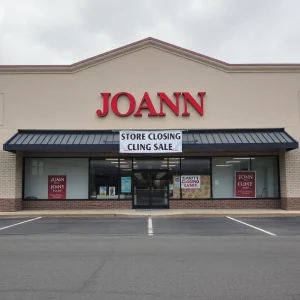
point(145, 215)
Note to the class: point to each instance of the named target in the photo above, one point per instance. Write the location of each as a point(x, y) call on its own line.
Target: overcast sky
point(67, 31)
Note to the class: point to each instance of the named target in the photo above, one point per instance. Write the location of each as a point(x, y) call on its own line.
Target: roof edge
point(118, 130)
point(150, 41)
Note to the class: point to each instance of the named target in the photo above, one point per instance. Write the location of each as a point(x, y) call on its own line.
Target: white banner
point(190, 181)
point(167, 141)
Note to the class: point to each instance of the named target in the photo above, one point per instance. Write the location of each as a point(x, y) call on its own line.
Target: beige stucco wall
point(233, 100)
point(69, 101)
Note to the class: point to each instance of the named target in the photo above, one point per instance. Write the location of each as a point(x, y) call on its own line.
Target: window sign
point(151, 141)
point(125, 184)
point(176, 180)
point(57, 186)
point(103, 190)
point(190, 182)
point(245, 184)
point(112, 191)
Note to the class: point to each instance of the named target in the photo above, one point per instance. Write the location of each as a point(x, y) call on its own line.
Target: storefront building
point(149, 125)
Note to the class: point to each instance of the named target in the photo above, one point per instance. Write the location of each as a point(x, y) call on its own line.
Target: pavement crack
point(86, 283)
point(153, 295)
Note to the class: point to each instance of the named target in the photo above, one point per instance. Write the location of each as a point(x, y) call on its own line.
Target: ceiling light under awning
point(114, 158)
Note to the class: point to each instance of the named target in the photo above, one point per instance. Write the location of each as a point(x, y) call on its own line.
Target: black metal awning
point(107, 141)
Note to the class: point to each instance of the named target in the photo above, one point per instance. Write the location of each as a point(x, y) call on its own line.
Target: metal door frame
point(150, 178)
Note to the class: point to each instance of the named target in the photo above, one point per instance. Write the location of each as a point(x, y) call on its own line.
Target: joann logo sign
point(145, 105)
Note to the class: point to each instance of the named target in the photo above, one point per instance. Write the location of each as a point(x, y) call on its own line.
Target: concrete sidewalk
point(152, 213)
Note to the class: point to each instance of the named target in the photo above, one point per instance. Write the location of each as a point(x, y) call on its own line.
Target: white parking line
point(20, 223)
point(267, 232)
point(150, 227)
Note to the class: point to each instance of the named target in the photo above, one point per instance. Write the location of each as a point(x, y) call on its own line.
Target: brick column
point(10, 181)
point(290, 179)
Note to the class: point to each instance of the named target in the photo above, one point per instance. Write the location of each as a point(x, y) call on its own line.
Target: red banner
point(245, 184)
point(57, 186)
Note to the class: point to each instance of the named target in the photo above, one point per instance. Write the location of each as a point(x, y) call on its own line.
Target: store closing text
point(149, 147)
point(150, 141)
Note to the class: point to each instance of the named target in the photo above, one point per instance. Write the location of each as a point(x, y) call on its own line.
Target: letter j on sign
point(169, 141)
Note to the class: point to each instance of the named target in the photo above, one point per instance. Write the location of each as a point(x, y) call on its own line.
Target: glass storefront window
point(56, 178)
point(195, 178)
point(223, 175)
point(223, 170)
point(125, 178)
point(160, 177)
point(104, 178)
point(174, 178)
point(267, 185)
point(150, 163)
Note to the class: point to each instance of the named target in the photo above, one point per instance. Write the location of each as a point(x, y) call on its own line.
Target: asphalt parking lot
point(150, 258)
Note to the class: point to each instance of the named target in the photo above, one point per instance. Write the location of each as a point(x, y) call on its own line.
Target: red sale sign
point(245, 184)
point(57, 186)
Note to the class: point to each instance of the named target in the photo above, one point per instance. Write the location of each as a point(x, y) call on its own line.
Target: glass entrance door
point(159, 189)
point(141, 192)
point(151, 189)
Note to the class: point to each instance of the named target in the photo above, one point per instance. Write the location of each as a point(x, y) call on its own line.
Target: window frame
point(118, 175)
point(210, 158)
point(254, 156)
point(52, 157)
